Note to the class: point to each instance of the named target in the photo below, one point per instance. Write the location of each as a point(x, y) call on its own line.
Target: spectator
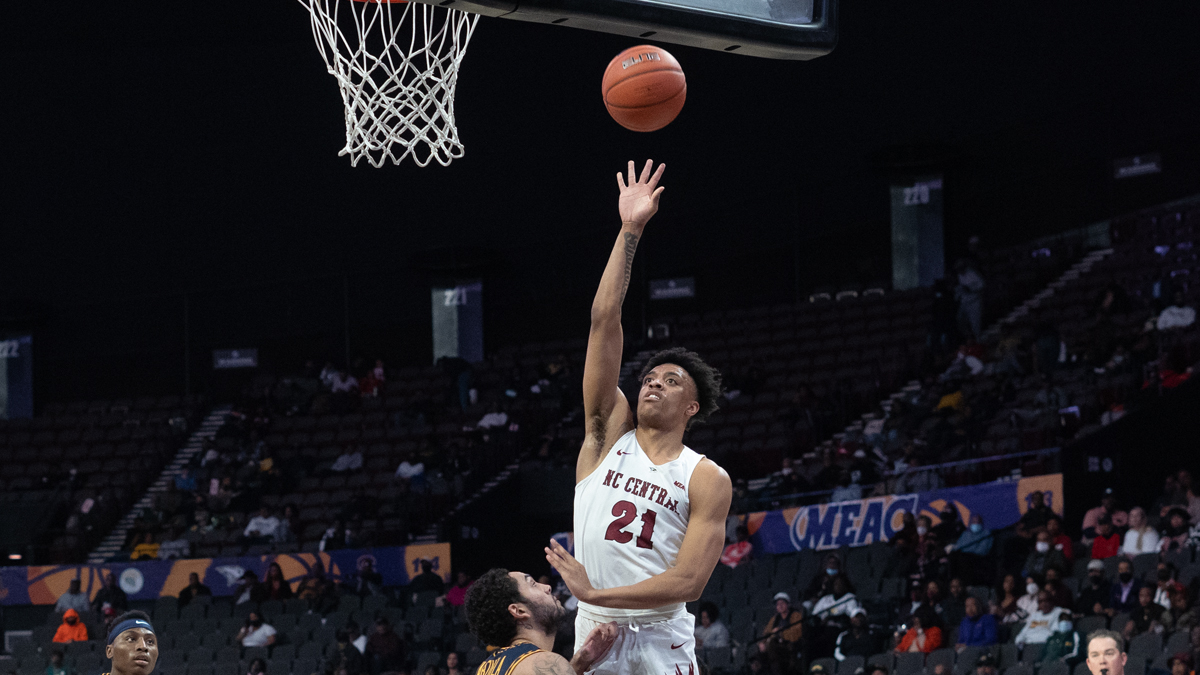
point(350, 460)
point(1060, 541)
point(110, 595)
point(1029, 602)
point(176, 546)
point(494, 418)
point(367, 581)
point(1140, 537)
point(409, 470)
point(1181, 616)
point(847, 490)
point(193, 590)
point(1095, 594)
point(328, 373)
point(249, 590)
point(1063, 644)
point(255, 632)
point(917, 479)
point(452, 667)
point(427, 580)
point(186, 480)
point(822, 584)
point(356, 636)
point(1060, 595)
point(1146, 616)
point(1177, 315)
point(954, 605)
point(1006, 605)
point(257, 667)
point(711, 633)
point(343, 383)
point(968, 553)
point(858, 639)
point(73, 599)
point(739, 551)
point(262, 527)
point(783, 631)
point(71, 629)
point(924, 635)
point(289, 524)
point(1177, 530)
point(1166, 584)
point(1042, 622)
point(930, 551)
point(832, 614)
point(986, 665)
point(457, 594)
point(969, 293)
point(1124, 597)
point(1108, 507)
point(976, 629)
point(385, 650)
point(950, 526)
point(1180, 664)
point(1036, 517)
point(145, 549)
point(1043, 557)
point(56, 663)
point(1107, 542)
point(276, 586)
point(345, 656)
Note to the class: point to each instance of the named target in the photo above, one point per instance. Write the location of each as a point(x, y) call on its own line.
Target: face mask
point(976, 527)
point(1064, 626)
point(1043, 547)
point(922, 530)
point(1164, 575)
point(1097, 579)
point(256, 623)
point(1031, 589)
point(831, 571)
point(1125, 577)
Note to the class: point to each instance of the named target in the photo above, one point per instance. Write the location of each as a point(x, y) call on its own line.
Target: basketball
point(644, 88)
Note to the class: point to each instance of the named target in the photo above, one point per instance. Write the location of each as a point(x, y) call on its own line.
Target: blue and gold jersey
point(504, 661)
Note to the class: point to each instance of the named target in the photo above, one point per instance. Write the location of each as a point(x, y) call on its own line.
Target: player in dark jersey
point(511, 611)
point(132, 645)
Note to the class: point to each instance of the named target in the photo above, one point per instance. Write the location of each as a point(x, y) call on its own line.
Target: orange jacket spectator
point(933, 640)
point(71, 629)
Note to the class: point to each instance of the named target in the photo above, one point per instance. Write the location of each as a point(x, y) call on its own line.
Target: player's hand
point(571, 570)
point(639, 199)
point(597, 644)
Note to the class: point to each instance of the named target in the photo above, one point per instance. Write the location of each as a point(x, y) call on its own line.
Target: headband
point(126, 625)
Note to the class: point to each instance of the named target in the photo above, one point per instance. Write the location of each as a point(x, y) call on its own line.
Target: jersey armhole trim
point(522, 658)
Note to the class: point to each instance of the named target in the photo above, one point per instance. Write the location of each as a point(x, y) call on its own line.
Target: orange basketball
point(644, 88)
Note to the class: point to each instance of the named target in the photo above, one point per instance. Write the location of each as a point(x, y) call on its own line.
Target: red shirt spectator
point(457, 594)
point(1107, 542)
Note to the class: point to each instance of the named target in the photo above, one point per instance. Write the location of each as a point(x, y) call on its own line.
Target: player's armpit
point(544, 663)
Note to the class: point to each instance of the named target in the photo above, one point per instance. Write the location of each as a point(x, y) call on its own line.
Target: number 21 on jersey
point(625, 513)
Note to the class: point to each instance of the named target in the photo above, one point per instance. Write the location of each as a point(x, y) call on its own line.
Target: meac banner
point(862, 522)
point(153, 579)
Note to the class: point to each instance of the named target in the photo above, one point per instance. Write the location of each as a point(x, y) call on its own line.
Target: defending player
point(649, 511)
point(510, 609)
point(132, 645)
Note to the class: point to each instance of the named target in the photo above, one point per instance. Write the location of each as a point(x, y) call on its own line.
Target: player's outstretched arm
point(607, 411)
point(710, 494)
point(594, 647)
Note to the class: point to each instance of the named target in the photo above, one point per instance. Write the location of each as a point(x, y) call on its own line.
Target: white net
point(396, 64)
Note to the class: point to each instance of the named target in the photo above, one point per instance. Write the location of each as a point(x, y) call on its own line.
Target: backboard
point(774, 29)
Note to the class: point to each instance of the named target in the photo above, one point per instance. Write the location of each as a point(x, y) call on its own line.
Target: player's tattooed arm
point(546, 663)
point(608, 413)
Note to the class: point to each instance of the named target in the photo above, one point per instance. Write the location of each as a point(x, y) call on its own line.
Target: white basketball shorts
point(665, 647)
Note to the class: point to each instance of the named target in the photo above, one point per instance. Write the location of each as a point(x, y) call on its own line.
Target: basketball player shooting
point(649, 511)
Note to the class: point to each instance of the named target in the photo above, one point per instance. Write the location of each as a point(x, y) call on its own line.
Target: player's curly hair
point(707, 378)
point(487, 607)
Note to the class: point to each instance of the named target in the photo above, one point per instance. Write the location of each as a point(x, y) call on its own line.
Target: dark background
point(172, 180)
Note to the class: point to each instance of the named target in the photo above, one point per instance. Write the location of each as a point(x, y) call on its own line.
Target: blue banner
point(865, 521)
point(153, 579)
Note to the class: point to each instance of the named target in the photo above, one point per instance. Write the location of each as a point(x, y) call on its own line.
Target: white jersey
point(630, 518)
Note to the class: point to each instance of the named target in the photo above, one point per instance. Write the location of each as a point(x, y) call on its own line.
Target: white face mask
point(922, 530)
point(1043, 547)
point(1031, 589)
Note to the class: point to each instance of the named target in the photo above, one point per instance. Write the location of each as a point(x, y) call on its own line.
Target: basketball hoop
point(396, 71)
